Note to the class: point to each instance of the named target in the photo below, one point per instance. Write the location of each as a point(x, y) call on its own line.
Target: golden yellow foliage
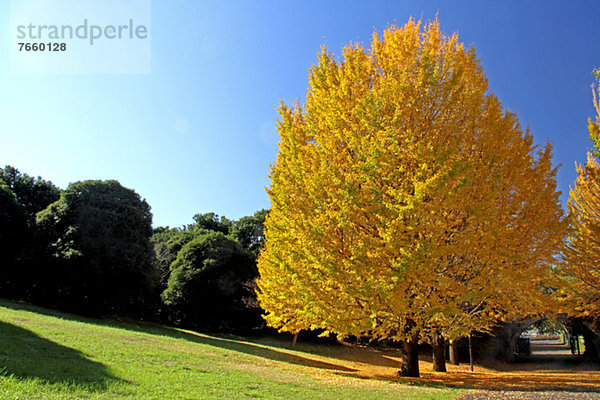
point(582, 265)
point(404, 199)
point(594, 124)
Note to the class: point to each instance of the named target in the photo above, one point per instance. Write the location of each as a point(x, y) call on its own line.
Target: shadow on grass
point(514, 378)
point(25, 355)
point(257, 350)
point(229, 343)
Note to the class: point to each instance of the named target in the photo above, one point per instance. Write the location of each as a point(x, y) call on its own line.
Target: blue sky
point(198, 133)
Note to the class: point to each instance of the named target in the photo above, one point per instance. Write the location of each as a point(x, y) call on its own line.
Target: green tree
point(167, 244)
point(34, 194)
point(98, 244)
point(212, 222)
point(22, 251)
point(249, 231)
point(13, 220)
point(206, 286)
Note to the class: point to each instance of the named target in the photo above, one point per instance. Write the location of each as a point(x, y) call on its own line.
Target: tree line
point(91, 249)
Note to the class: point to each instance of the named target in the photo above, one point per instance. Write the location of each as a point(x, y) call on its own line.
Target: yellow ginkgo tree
point(406, 203)
point(582, 255)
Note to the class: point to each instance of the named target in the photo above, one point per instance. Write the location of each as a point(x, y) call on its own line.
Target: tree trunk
point(295, 339)
point(508, 336)
point(592, 341)
point(410, 359)
point(511, 343)
point(471, 352)
point(439, 352)
point(454, 352)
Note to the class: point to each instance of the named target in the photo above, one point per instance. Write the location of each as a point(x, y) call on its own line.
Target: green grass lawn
point(50, 355)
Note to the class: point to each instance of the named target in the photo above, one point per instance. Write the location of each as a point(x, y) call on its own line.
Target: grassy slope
point(47, 355)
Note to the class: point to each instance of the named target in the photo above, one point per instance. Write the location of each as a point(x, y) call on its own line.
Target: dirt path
point(551, 365)
point(503, 395)
point(549, 347)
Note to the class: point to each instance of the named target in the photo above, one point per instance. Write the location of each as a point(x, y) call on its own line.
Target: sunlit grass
point(47, 355)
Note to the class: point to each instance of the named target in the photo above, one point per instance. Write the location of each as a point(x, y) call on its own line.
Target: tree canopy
point(249, 231)
point(212, 222)
point(206, 287)
point(13, 219)
point(582, 253)
point(21, 197)
point(405, 201)
point(98, 243)
point(34, 194)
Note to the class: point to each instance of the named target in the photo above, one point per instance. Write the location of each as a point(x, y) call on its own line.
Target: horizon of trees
point(91, 249)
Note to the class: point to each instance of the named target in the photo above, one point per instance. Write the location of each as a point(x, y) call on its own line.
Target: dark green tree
point(207, 285)
point(100, 259)
point(34, 194)
point(167, 244)
point(249, 231)
point(12, 232)
point(212, 222)
point(28, 195)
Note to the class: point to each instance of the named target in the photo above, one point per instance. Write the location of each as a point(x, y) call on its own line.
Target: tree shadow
point(232, 343)
point(25, 355)
point(512, 377)
point(256, 349)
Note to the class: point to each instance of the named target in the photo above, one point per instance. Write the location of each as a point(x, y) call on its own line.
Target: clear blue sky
point(198, 133)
